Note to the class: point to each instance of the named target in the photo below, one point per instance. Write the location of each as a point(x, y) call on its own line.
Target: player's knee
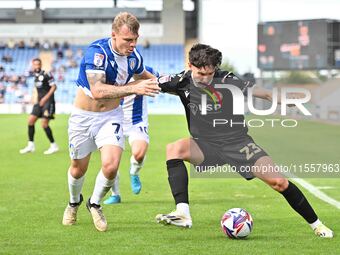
point(76, 171)
point(31, 121)
point(279, 184)
point(170, 149)
point(110, 168)
point(139, 156)
point(175, 151)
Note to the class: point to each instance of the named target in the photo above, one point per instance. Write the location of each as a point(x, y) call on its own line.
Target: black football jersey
point(202, 121)
point(43, 82)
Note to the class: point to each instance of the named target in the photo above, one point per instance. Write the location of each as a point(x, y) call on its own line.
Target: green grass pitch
point(33, 195)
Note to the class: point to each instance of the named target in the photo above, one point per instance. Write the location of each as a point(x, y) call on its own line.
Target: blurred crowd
point(15, 84)
point(33, 44)
point(64, 59)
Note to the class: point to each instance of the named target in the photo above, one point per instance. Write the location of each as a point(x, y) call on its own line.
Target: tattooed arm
point(101, 90)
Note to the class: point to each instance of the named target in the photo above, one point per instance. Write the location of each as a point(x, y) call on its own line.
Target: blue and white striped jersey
point(101, 58)
point(135, 106)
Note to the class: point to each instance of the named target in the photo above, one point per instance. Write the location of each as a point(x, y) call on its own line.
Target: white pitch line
point(315, 191)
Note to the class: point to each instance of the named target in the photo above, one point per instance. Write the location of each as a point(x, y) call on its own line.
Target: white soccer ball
point(237, 223)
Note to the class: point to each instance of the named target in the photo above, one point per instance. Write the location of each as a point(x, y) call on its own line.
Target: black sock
point(178, 180)
point(48, 132)
point(299, 203)
point(31, 133)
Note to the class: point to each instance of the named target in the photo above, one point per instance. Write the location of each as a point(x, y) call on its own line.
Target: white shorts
point(135, 132)
point(89, 131)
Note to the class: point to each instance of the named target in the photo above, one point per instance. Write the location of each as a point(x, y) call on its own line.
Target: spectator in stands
point(36, 44)
point(7, 59)
point(61, 74)
point(79, 54)
point(46, 45)
point(31, 44)
point(21, 45)
point(146, 44)
point(69, 53)
point(66, 45)
point(60, 53)
point(2, 72)
point(2, 45)
point(71, 63)
point(22, 81)
point(2, 93)
point(56, 45)
point(11, 44)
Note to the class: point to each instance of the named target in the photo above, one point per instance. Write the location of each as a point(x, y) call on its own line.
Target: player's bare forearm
point(262, 93)
point(114, 92)
point(100, 90)
point(49, 94)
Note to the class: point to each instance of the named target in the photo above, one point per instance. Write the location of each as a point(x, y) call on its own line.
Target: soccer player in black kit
point(44, 108)
point(211, 145)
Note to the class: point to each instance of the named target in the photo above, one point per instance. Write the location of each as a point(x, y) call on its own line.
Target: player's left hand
point(42, 102)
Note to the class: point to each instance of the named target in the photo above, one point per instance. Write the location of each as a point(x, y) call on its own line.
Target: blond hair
point(125, 18)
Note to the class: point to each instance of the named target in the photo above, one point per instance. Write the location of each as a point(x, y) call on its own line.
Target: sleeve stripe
point(141, 71)
point(138, 56)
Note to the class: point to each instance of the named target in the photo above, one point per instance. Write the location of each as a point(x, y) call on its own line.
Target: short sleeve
point(170, 83)
point(50, 79)
point(230, 78)
point(95, 59)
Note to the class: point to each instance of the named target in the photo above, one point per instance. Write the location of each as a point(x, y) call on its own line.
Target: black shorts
point(46, 111)
point(241, 153)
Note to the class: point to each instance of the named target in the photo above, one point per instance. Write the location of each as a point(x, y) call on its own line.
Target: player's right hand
point(147, 88)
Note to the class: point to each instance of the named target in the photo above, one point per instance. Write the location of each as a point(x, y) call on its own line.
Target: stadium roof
point(149, 5)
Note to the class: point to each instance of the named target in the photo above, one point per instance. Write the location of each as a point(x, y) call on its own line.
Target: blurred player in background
point(43, 108)
point(219, 145)
point(97, 118)
point(135, 129)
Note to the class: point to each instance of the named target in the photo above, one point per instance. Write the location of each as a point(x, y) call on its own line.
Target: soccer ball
point(236, 223)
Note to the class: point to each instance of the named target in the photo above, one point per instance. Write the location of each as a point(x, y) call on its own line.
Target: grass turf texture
point(33, 195)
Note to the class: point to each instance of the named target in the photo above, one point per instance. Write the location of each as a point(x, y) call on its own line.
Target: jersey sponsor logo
point(38, 84)
point(164, 79)
point(112, 63)
point(193, 108)
point(132, 63)
point(41, 77)
point(72, 150)
point(98, 59)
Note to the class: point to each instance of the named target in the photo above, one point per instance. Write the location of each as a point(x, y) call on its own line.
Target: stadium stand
point(16, 85)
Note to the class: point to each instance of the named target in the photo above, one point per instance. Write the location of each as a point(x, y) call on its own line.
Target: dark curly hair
point(201, 55)
point(36, 59)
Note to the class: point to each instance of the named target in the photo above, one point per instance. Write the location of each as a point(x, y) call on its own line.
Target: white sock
point(115, 188)
point(135, 166)
point(184, 208)
point(101, 187)
point(53, 145)
point(30, 143)
point(74, 187)
point(315, 224)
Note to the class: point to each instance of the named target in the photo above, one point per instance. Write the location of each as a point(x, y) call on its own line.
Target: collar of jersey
point(112, 50)
point(209, 89)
